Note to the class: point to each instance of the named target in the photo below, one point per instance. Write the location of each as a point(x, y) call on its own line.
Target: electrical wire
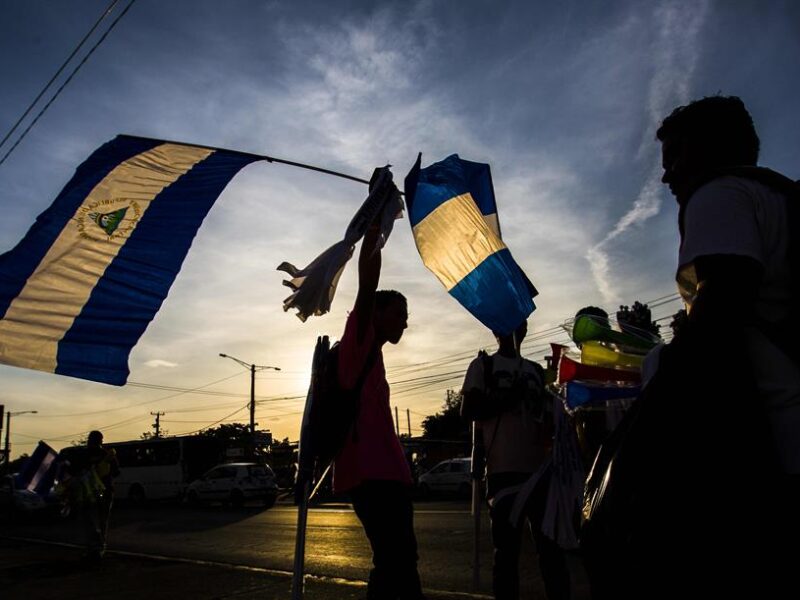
point(69, 78)
point(105, 13)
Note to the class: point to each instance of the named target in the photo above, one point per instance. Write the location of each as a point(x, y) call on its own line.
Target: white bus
point(161, 468)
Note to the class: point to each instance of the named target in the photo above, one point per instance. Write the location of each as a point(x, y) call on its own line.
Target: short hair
point(384, 298)
point(719, 126)
point(94, 437)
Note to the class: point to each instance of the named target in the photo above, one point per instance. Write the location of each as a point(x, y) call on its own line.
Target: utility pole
point(252, 368)
point(253, 405)
point(396, 421)
point(9, 414)
point(6, 455)
point(408, 417)
point(157, 424)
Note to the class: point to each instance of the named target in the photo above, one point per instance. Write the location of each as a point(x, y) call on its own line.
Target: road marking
point(237, 567)
point(349, 510)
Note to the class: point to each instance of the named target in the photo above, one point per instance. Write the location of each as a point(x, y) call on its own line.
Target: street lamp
point(10, 414)
point(253, 368)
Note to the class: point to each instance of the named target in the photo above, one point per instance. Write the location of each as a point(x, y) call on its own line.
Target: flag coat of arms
point(78, 291)
point(453, 215)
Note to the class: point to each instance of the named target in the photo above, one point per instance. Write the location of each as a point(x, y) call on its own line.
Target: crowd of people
point(702, 505)
point(705, 501)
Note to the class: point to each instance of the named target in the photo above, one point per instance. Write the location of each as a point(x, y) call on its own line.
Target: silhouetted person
point(699, 489)
point(372, 467)
point(591, 427)
point(504, 394)
point(93, 470)
point(738, 273)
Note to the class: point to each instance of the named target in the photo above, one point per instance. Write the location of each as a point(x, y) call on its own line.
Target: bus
point(161, 468)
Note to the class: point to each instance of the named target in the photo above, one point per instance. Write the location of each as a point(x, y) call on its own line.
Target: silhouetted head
point(509, 344)
point(95, 438)
point(391, 316)
point(706, 135)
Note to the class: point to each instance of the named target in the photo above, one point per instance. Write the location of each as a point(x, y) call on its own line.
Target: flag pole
point(271, 159)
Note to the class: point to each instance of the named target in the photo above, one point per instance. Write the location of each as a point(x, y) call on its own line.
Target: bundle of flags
point(314, 286)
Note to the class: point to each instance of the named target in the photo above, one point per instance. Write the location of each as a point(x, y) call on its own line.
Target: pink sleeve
point(353, 355)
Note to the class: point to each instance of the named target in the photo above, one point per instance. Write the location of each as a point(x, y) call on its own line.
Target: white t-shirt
point(513, 440)
point(742, 217)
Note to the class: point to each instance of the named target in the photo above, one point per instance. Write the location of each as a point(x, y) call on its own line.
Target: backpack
point(332, 410)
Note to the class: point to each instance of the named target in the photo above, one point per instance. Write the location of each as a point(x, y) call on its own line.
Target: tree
point(237, 435)
point(149, 435)
point(638, 317)
point(447, 424)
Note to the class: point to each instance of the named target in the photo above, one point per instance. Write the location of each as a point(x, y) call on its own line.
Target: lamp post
point(10, 414)
point(253, 368)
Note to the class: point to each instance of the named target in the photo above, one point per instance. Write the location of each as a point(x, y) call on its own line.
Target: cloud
point(675, 53)
point(158, 363)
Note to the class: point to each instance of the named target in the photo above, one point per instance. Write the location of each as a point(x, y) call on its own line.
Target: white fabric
point(315, 285)
point(512, 440)
point(742, 217)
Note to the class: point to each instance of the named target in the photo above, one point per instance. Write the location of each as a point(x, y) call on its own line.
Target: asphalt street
point(335, 547)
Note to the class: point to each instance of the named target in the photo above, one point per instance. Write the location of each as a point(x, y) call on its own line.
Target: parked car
point(14, 499)
point(235, 483)
point(448, 476)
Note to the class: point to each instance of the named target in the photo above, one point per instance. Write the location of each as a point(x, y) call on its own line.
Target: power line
point(68, 79)
point(105, 13)
point(181, 392)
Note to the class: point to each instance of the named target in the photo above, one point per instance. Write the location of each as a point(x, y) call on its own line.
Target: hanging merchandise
point(602, 354)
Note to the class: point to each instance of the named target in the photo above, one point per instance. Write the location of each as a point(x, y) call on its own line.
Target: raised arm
point(369, 272)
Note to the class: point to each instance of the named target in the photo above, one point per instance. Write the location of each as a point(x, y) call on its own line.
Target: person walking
point(504, 394)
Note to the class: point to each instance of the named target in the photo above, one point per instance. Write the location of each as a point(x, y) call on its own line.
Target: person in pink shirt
point(372, 467)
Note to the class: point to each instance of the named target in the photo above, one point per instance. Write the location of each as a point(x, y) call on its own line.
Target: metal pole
point(300, 544)
point(253, 409)
point(476, 472)
point(253, 401)
point(7, 456)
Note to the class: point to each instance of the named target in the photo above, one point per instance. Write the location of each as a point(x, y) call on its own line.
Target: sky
point(562, 99)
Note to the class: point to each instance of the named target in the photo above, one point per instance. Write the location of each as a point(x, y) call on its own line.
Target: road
point(335, 547)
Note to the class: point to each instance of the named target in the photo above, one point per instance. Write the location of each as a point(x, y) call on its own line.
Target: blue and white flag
point(453, 215)
point(39, 471)
point(78, 291)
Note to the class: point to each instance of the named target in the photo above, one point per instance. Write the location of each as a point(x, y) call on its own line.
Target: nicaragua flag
point(39, 471)
point(453, 215)
point(78, 291)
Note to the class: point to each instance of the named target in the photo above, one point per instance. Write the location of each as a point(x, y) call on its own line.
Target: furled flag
point(453, 215)
point(39, 471)
point(314, 286)
point(78, 291)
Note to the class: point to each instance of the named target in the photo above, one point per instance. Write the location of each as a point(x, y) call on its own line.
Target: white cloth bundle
point(314, 286)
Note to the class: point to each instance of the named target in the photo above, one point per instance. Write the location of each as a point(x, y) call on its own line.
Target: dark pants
point(385, 511)
point(507, 539)
point(95, 519)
